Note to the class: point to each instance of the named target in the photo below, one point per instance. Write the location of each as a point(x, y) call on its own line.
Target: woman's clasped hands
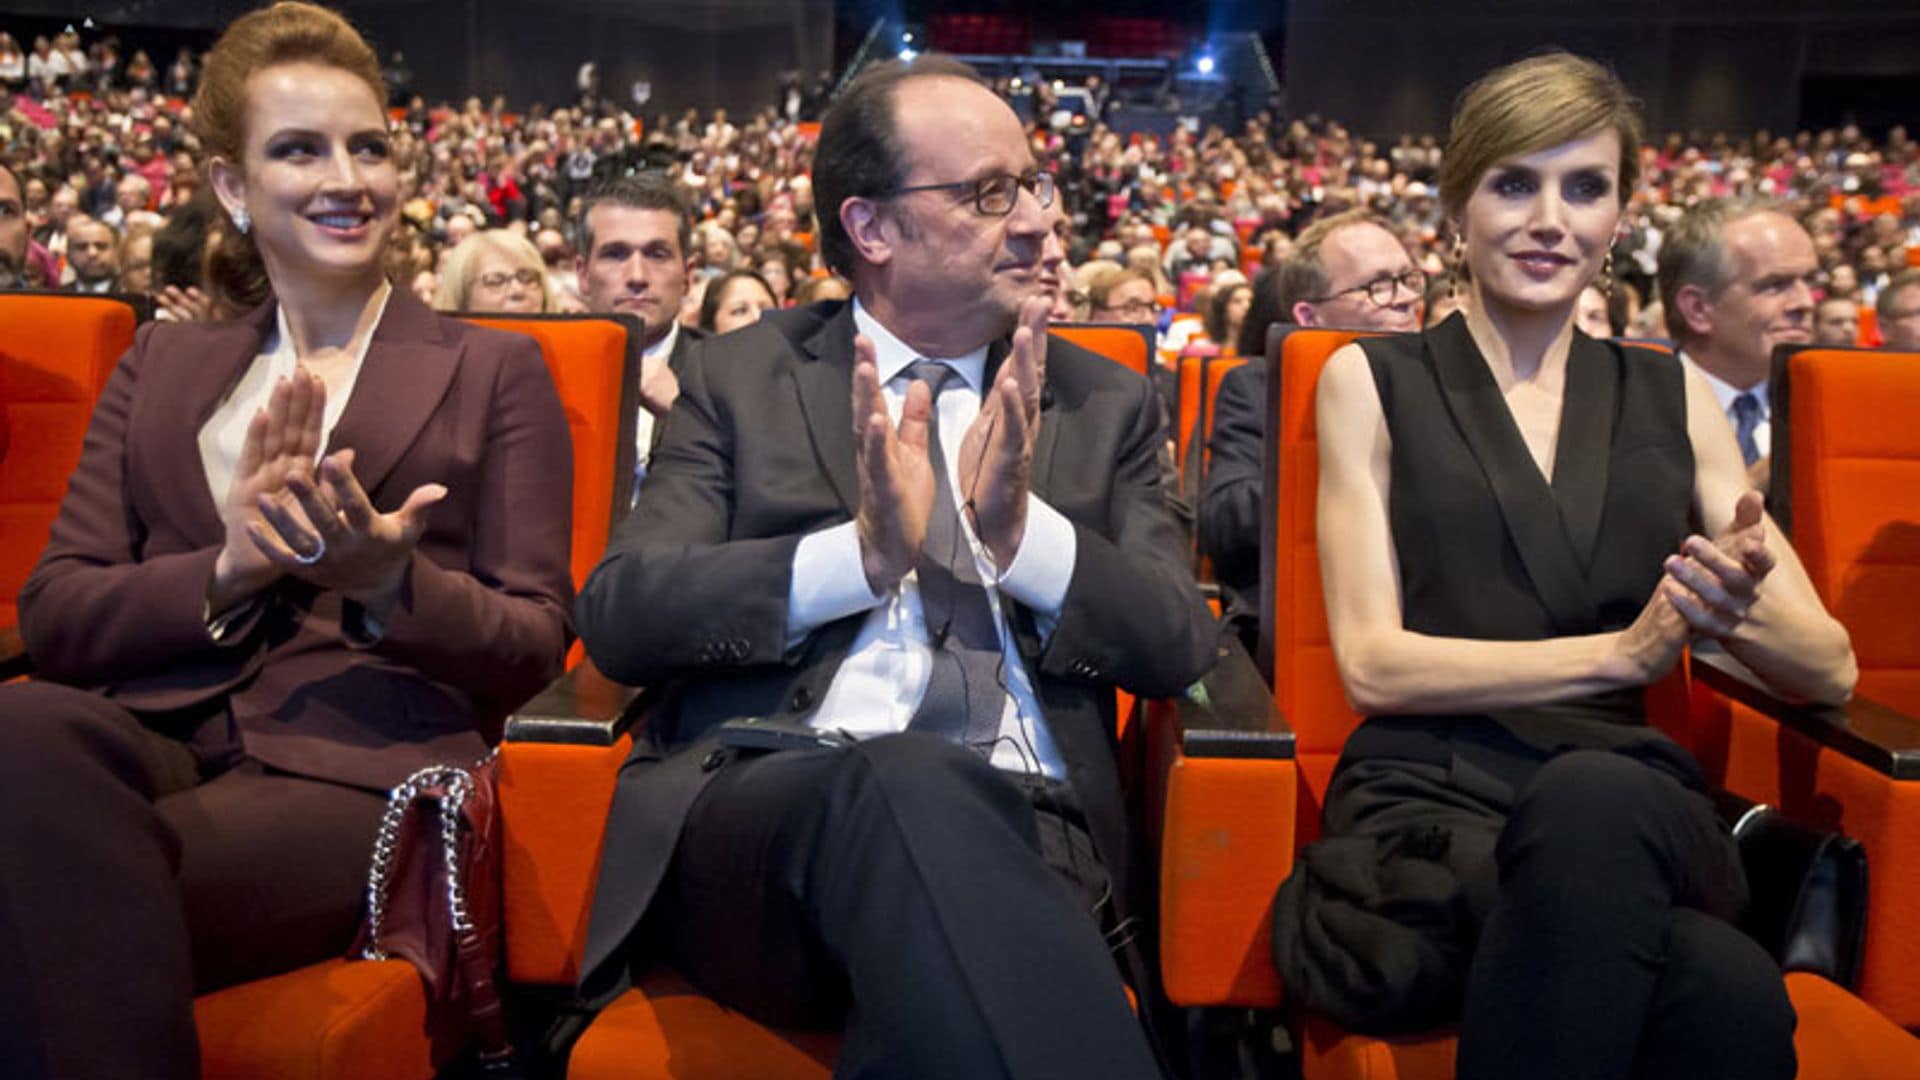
point(284, 516)
point(1707, 590)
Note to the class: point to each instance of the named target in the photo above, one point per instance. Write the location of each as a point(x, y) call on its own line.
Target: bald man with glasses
point(1347, 272)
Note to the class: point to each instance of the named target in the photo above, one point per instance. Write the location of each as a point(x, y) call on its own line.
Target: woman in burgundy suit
point(305, 553)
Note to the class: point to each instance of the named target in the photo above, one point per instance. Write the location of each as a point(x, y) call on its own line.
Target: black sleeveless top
point(1487, 547)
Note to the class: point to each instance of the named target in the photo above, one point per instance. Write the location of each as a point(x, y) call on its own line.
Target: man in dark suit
point(920, 554)
point(635, 235)
point(1347, 272)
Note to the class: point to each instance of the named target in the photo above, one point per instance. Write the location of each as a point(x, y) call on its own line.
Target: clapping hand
point(282, 439)
point(896, 478)
point(1720, 579)
point(328, 533)
point(996, 455)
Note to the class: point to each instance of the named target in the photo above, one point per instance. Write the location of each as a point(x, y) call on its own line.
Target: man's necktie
point(965, 697)
point(1746, 417)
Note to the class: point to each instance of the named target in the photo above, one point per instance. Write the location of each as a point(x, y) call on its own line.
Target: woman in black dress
point(1520, 529)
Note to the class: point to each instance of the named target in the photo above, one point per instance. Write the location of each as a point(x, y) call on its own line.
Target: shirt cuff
point(829, 581)
point(1043, 566)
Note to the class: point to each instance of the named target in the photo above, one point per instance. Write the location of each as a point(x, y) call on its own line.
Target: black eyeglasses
point(1381, 289)
point(994, 195)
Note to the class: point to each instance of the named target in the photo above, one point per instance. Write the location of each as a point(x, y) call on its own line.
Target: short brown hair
point(858, 154)
point(1905, 279)
point(1693, 252)
point(1302, 274)
point(1531, 105)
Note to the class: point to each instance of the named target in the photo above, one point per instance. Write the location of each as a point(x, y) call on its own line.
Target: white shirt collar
point(1724, 392)
point(663, 347)
point(891, 355)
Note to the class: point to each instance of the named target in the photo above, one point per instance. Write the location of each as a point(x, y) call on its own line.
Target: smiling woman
point(1575, 881)
point(240, 643)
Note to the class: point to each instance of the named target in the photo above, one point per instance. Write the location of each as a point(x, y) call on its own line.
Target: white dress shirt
point(884, 676)
point(1724, 393)
point(644, 421)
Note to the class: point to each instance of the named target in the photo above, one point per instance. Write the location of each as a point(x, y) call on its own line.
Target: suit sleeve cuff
point(829, 581)
point(1043, 566)
point(231, 626)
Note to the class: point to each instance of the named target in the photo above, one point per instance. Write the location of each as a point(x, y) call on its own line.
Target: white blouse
point(225, 433)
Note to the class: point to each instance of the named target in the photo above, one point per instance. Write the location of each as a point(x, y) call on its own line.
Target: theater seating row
point(1225, 798)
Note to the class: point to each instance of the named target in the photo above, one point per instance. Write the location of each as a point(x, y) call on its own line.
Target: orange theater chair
point(1838, 1034)
point(350, 1018)
point(56, 351)
point(1846, 461)
point(1211, 777)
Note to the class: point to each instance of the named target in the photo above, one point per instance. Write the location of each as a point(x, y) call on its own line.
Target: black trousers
point(1604, 885)
point(139, 867)
point(898, 888)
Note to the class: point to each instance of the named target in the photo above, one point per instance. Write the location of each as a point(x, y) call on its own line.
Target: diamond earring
point(241, 221)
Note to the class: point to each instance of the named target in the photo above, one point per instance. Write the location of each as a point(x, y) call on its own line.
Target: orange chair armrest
point(1881, 738)
point(558, 765)
point(1225, 790)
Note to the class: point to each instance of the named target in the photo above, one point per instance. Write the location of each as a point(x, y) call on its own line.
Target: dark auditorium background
point(1382, 66)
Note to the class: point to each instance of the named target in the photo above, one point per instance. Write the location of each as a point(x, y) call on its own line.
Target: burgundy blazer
point(117, 602)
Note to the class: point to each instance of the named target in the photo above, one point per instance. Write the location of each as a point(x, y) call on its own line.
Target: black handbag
point(1808, 894)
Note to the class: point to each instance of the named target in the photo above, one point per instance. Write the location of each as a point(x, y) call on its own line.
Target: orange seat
point(1867, 335)
point(1125, 344)
point(56, 351)
point(1846, 465)
point(670, 1029)
point(587, 355)
point(330, 1020)
point(1835, 1027)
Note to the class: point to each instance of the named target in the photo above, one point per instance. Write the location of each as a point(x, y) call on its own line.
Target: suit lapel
point(406, 372)
point(1048, 437)
point(824, 378)
point(1586, 442)
point(1527, 504)
point(201, 384)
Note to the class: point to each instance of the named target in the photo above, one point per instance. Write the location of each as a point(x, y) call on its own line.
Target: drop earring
point(241, 221)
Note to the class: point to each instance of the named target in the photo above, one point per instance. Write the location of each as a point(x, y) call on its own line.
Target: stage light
point(907, 37)
point(907, 55)
point(1205, 64)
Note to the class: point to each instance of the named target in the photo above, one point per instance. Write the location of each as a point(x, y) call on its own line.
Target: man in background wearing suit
point(892, 560)
point(1347, 272)
point(1736, 279)
point(634, 237)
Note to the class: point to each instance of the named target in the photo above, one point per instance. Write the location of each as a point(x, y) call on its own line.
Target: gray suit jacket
point(691, 598)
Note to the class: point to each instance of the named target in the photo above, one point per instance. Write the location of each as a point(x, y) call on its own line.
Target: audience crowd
point(110, 190)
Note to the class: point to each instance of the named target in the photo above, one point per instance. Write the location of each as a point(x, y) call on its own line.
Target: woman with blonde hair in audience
point(496, 271)
point(305, 553)
point(1507, 515)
